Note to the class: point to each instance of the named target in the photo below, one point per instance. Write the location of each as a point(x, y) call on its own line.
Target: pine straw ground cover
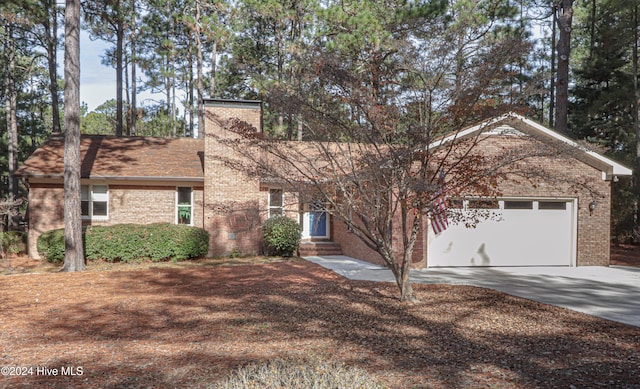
point(191, 326)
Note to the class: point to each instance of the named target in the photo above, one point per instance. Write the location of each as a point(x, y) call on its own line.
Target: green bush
point(299, 374)
point(51, 245)
point(12, 242)
point(281, 235)
point(129, 242)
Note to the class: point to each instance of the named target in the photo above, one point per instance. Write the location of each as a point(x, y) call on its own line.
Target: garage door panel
point(515, 237)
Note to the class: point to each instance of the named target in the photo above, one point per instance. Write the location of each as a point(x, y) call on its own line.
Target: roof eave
point(120, 178)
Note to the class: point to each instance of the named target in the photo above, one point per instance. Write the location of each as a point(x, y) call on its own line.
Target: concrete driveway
point(611, 293)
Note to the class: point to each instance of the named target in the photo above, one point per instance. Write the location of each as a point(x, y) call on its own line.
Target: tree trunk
point(51, 37)
point(173, 108)
point(214, 59)
point(592, 29)
point(11, 104)
point(192, 109)
point(119, 71)
point(401, 274)
point(133, 109)
point(127, 95)
point(410, 231)
point(552, 82)
point(12, 136)
point(74, 253)
point(200, 85)
point(636, 117)
point(171, 70)
point(565, 16)
point(636, 90)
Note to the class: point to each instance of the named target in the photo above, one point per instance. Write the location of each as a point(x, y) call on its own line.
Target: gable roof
point(130, 158)
point(520, 123)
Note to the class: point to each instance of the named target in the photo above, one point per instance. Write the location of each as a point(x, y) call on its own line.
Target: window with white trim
point(184, 205)
point(276, 202)
point(94, 202)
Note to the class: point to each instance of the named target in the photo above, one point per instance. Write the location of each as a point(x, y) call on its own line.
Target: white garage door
point(520, 232)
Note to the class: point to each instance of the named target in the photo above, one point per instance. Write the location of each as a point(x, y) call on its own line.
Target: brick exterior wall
point(354, 247)
point(46, 212)
point(138, 204)
point(234, 204)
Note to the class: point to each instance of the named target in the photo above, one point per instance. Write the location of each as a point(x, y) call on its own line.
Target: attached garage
point(507, 232)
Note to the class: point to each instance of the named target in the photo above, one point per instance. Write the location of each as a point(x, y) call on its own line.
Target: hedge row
point(128, 242)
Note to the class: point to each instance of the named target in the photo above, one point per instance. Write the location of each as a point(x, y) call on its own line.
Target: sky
point(97, 81)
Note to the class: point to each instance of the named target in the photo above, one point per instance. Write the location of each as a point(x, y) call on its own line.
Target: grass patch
point(299, 373)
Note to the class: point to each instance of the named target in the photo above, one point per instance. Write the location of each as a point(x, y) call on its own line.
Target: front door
point(315, 223)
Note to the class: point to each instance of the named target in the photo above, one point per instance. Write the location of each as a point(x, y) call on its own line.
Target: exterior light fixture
point(592, 207)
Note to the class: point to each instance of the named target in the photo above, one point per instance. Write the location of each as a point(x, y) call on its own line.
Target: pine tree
point(564, 20)
point(74, 253)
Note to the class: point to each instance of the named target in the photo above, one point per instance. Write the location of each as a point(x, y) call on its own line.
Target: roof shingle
point(121, 158)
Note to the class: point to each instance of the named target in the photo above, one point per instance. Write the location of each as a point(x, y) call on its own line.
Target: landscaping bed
point(191, 324)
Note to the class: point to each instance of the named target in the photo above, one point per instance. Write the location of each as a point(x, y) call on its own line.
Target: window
point(518, 205)
point(455, 204)
point(184, 205)
point(94, 202)
point(552, 205)
point(276, 202)
point(484, 204)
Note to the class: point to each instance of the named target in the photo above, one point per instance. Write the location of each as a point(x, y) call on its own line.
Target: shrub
point(281, 235)
point(51, 245)
point(120, 242)
point(299, 374)
point(12, 242)
point(129, 242)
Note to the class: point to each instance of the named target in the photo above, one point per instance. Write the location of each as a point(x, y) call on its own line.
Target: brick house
point(144, 180)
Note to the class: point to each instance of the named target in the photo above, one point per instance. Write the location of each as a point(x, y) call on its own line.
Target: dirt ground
point(191, 324)
point(621, 255)
point(625, 255)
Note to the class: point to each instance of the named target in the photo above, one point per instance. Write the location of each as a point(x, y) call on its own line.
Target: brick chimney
point(233, 203)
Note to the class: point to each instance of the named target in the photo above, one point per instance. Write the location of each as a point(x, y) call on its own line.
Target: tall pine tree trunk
point(51, 37)
point(565, 17)
point(552, 89)
point(636, 117)
point(192, 110)
point(214, 59)
point(636, 91)
point(126, 90)
point(133, 109)
point(200, 86)
point(74, 253)
point(11, 105)
point(119, 81)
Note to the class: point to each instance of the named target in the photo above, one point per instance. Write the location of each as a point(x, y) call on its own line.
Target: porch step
point(309, 249)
